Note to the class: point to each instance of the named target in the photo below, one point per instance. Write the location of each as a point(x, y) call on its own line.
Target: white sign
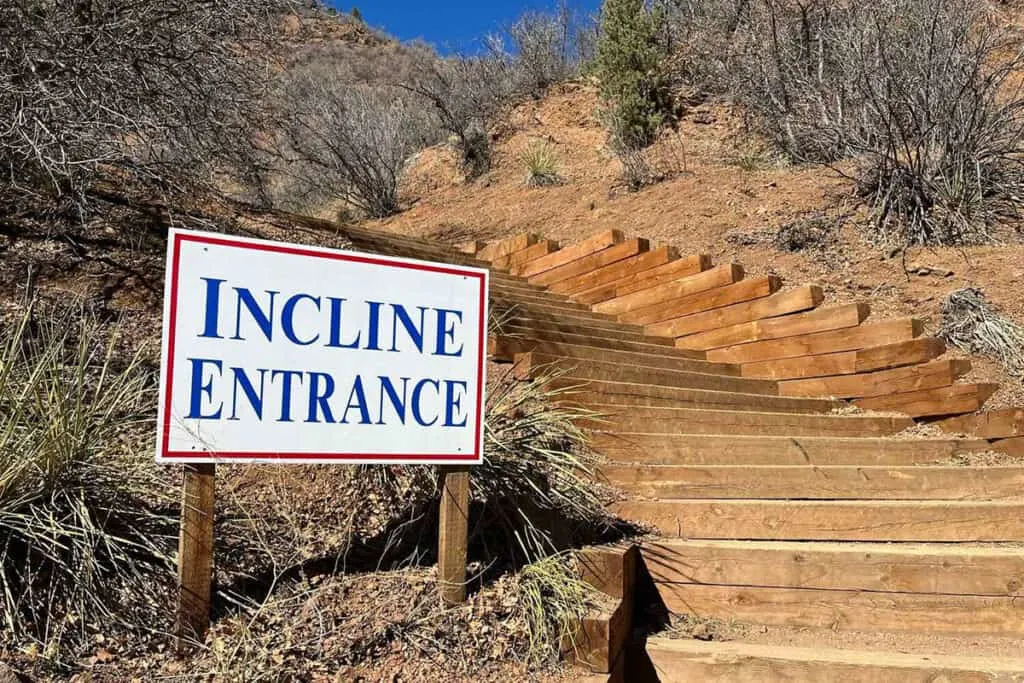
point(284, 353)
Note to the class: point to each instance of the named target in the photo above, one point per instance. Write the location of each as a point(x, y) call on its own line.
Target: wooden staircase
point(729, 426)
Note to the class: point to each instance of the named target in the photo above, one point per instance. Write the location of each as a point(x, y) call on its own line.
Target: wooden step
point(719, 276)
point(531, 253)
point(931, 521)
point(782, 303)
point(995, 424)
point(668, 309)
point(675, 449)
point(645, 279)
point(507, 246)
point(523, 317)
point(551, 310)
point(949, 400)
point(796, 325)
point(507, 348)
point(591, 262)
point(570, 253)
point(695, 421)
point(612, 273)
point(679, 661)
point(803, 482)
point(627, 395)
point(862, 336)
point(958, 569)
point(849, 610)
point(913, 352)
point(584, 329)
point(649, 345)
point(530, 365)
point(939, 373)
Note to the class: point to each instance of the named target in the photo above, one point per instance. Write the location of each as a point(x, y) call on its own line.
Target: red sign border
point(295, 250)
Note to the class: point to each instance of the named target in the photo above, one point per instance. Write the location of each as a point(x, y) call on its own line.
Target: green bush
point(630, 67)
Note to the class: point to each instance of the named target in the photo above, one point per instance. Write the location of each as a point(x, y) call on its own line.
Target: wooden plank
point(570, 253)
point(453, 534)
point(900, 354)
point(862, 336)
point(532, 365)
point(939, 373)
point(620, 394)
point(782, 303)
point(730, 449)
point(718, 297)
point(684, 267)
point(873, 520)
point(504, 247)
point(591, 262)
point(614, 272)
point(908, 568)
point(508, 347)
point(531, 253)
point(800, 324)
point(611, 570)
point(719, 276)
point(949, 400)
point(911, 352)
point(697, 421)
point(195, 555)
point(819, 483)
point(1013, 446)
point(995, 424)
point(471, 247)
point(650, 345)
point(849, 610)
point(738, 662)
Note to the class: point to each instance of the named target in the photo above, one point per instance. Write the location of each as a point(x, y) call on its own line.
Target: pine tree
point(629, 65)
point(357, 15)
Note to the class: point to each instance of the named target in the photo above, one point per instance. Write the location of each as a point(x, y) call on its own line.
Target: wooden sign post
point(285, 353)
point(195, 555)
point(453, 534)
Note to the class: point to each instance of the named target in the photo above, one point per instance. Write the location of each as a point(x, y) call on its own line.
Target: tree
point(629, 65)
point(357, 15)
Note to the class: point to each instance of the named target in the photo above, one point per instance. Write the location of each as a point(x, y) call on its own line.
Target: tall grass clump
point(82, 546)
point(542, 164)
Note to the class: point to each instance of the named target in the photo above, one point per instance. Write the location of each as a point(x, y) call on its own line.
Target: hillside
point(729, 199)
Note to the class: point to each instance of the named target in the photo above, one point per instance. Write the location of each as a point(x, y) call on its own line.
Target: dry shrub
point(919, 93)
point(159, 93)
point(85, 538)
point(971, 323)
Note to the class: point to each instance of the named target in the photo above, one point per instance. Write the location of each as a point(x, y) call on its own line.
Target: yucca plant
point(542, 165)
point(80, 538)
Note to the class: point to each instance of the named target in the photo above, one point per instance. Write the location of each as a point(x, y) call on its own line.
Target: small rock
point(702, 632)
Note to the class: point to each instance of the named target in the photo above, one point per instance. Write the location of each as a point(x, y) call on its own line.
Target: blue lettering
point(212, 309)
point(360, 403)
point(373, 343)
point(318, 399)
point(262, 319)
point(446, 332)
point(195, 411)
point(415, 334)
point(387, 389)
point(453, 403)
point(416, 401)
point(255, 398)
point(286, 391)
point(335, 339)
point(288, 318)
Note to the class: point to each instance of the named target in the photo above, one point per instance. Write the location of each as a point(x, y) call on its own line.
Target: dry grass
point(83, 542)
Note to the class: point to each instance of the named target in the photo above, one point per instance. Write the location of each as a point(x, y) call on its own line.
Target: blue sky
point(449, 24)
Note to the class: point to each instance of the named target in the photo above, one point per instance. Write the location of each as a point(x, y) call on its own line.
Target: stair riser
point(674, 449)
point(838, 566)
point(820, 483)
point(849, 610)
point(508, 347)
point(831, 521)
point(824, 427)
point(646, 396)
